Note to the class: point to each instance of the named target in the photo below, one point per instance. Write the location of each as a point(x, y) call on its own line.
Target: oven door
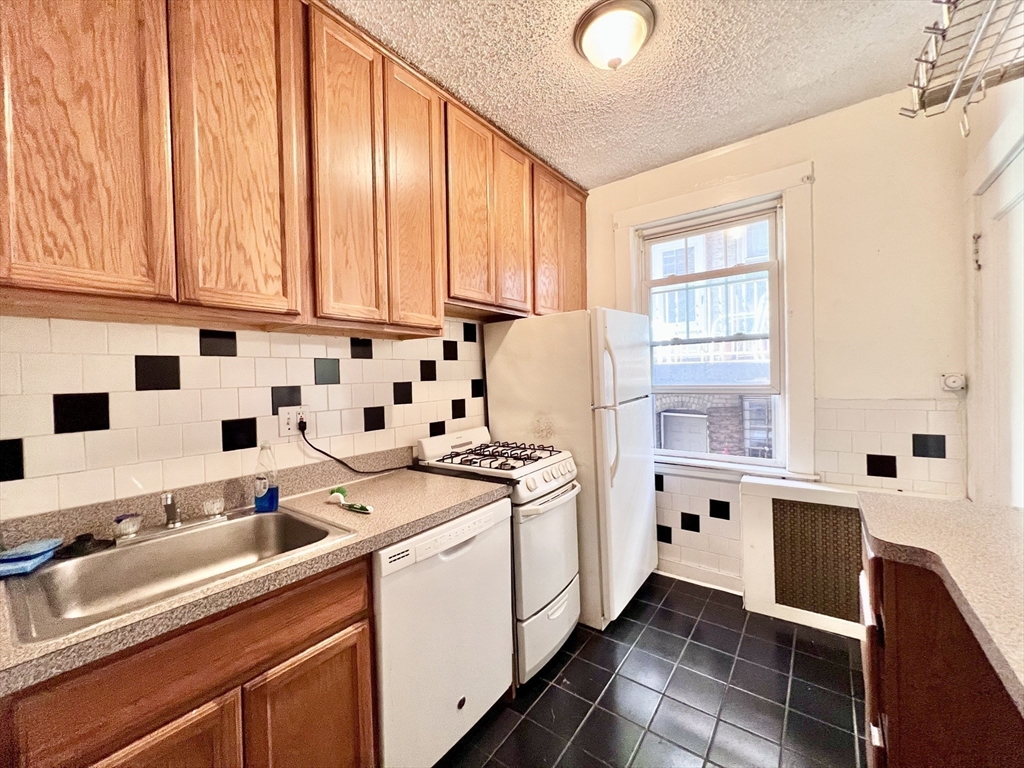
point(545, 549)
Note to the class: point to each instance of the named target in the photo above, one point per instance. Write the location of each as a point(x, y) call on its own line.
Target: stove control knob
point(546, 476)
point(556, 471)
point(571, 465)
point(531, 484)
point(566, 468)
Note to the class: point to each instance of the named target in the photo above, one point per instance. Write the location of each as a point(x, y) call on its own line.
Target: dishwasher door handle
point(457, 549)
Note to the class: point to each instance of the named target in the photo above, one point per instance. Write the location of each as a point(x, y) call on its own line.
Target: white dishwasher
point(443, 604)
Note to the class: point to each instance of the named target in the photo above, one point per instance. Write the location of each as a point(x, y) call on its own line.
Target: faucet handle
point(167, 497)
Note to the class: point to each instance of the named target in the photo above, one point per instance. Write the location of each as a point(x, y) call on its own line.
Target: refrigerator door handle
point(615, 461)
point(615, 376)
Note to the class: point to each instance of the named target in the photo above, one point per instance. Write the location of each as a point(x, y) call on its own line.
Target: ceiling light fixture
point(612, 32)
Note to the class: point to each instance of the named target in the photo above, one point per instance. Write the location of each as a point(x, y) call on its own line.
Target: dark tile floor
point(685, 677)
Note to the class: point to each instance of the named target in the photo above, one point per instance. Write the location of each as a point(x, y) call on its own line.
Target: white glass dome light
point(611, 33)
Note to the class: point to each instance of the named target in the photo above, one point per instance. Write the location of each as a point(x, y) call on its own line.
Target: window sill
point(732, 467)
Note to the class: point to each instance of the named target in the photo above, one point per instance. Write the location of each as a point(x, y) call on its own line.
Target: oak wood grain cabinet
point(208, 737)
point(85, 150)
point(559, 214)
point(236, 69)
point(316, 708)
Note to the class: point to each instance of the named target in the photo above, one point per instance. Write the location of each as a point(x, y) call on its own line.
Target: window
point(712, 293)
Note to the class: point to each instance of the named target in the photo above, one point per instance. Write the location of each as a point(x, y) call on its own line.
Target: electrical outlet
point(289, 418)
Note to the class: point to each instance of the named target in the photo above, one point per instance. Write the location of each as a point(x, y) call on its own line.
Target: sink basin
point(66, 595)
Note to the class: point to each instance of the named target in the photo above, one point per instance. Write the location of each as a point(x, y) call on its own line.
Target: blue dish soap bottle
point(266, 480)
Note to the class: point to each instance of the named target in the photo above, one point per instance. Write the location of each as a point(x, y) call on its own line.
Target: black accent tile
point(436, 428)
point(718, 509)
point(640, 611)
point(12, 464)
point(559, 711)
point(766, 654)
point(236, 434)
point(714, 636)
point(476, 388)
point(373, 418)
point(685, 726)
point(724, 616)
point(458, 409)
point(527, 693)
point(584, 679)
point(822, 673)
point(664, 535)
point(828, 706)
point(735, 748)
point(681, 602)
point(608, 737)
point(554, 667)
point(157, 372)
point(659, 482)
point(326, 370)
point(403, 392)
point(646, 669)
point(776, 631)
point(218, 343)
point(728, 599)
point(603, 652)
point(881, 466)
point(766, 683)
point(284, 397)
point(361, 349)
point(428, 370)
point(707, 661)
point(930, 446)
point(697, 690)
point(689, 588)
point(451, 349)
point(650, 592)
point(663, 644)
point(689, 522)
point(819, 741)
point(624, 630)
point(577, 639)
point(530, 744)
point(656, 752)
point(81, 413)
point(753, 714)
point(823, 645)
point(469, 332)
point(630, 700)
point(670, 621)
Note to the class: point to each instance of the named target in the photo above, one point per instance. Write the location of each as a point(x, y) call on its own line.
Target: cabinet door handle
point(875, 735)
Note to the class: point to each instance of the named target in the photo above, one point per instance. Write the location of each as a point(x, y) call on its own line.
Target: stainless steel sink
point(64, 596)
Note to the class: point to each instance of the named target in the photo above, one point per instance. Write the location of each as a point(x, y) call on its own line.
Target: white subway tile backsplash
point(159, 442)
point(946, 471)
point(879, 421)
point(312, 346)
point(284, 345)
point(254, 401)
point(24, 334)
point(826, 461)
point(80, 488)
point(911, 421)
point(252, 344)
point(912, 467)
point(111, 448)
point(29, 496)
point(108, 373)
point(328, 423)
point(137, 479)
point(300, 371)
point(339, 396)
point(200, 372)
point(237, 372)
point(851, 419)
point(25, 415)
point(10, 373)
point(51, 373)
point(172, 340)
point(127, 339)
point(78, 336)
point(201, 437)
point(53, 454)
point(180, 406)
point(897, 443)
point(867, 442)
point(315, 398)
point(943, 423)
point(833, 440)
point(184, 471)
point(134, 409)
point(219, 404)
point(223, 466)
point(852, 463)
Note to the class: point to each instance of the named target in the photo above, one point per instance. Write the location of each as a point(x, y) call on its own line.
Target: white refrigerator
point(581, 381)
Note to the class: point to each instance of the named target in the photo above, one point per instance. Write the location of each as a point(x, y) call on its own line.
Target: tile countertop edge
point(29, 671)
point(921, 556)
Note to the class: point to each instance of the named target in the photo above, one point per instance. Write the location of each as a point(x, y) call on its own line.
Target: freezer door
point(625, 501)
point(622, 350)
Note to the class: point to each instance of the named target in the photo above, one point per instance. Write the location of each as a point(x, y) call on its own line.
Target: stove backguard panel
point(817, 557)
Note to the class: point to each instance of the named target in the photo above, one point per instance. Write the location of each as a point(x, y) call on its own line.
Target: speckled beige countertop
point(405, 502)
point(978, 552)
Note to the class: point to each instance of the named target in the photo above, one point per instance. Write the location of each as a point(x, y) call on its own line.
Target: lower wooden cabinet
point(315, 709)
point(208, 737)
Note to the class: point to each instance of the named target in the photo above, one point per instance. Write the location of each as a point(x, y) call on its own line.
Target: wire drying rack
point(975, 45)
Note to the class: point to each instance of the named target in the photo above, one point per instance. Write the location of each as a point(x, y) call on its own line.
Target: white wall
point(890, 280)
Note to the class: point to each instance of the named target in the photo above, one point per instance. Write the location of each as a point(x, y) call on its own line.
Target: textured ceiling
point(714, 72)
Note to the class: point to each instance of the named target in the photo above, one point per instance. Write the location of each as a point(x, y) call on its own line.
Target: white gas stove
point(536, 469)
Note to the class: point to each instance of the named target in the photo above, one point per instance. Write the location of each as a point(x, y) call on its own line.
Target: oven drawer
point(545, 549)
point(539, 638)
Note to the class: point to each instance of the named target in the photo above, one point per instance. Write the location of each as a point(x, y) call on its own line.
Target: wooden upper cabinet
point(574, 249)
point(547, 247)
point(415, 198)
point(85, 154)
point(236, 69)
point(470, 250)
point(209, 736)
point(316, 709)
point(348, 173)
point(513, 246)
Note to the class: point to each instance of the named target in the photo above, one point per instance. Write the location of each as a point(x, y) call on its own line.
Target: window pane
point(744, 363)
point(717, 249)
point(716, 424)
point(711, 309)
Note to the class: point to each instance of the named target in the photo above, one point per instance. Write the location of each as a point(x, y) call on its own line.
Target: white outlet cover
point(288, 419)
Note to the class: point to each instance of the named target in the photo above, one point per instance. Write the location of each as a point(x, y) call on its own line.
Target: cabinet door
point(207, 737)
point(547, 254)
point(470, 250)
point(415, 198)
point(85, 155)
point(315, 709)
point(348, 173)
point(574, 250)
point(235, 87)
point(512, 235)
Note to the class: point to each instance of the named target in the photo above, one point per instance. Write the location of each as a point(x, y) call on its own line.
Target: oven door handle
point(532, 510)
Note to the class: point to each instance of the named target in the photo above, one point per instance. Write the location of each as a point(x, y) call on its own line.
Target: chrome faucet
point(171, 510)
